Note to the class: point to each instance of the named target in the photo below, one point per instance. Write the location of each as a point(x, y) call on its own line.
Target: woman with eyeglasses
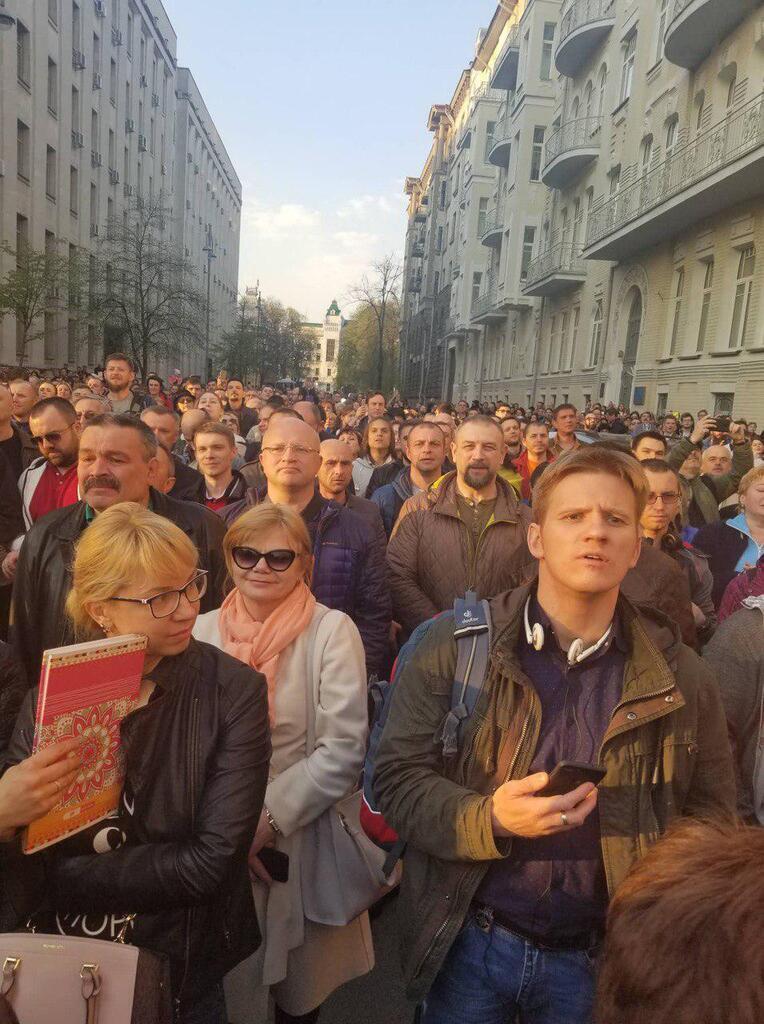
point(168, 872)
point(313, 660)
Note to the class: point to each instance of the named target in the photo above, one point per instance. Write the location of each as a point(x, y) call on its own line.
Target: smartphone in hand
point(569, 775)
point(275, 863)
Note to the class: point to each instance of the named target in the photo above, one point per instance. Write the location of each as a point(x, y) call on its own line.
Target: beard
point(478, 477)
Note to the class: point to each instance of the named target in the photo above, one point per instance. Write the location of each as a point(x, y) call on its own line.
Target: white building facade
point(625, 252)
point(326, 345)
point(90, 123)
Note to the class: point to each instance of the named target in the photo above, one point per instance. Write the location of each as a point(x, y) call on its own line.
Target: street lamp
point(209, 249)
point(7, 21)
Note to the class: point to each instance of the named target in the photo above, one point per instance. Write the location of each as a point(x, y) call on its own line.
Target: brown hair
point(251, 524)
point(594, 458)
point(370, 424)
point(684, 931)
point(220, 429)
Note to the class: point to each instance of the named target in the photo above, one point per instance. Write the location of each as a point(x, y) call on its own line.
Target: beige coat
point(321, 675)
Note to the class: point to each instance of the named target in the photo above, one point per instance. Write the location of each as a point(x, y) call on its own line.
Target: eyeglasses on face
point(53, 437)
point(666, 498)
point(166, 604)
point(277, 560)
point(278, 451)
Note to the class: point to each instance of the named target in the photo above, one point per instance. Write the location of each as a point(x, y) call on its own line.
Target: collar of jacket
point(402, 484)
point(441, 497)
point(169, 671)
point(71, 524)
point(649, 691)
point(521, 463)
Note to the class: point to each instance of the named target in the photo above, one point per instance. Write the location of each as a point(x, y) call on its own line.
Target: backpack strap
point(472, 633)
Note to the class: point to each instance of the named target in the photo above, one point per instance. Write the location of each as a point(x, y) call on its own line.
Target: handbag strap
point(90, 975)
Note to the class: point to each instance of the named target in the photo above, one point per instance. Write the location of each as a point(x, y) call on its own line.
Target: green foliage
point(357, 363)
point(267, 343)
point(28, 291)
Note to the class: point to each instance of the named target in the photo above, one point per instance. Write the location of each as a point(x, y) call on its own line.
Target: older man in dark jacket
point(349, 571)
point(116, 461)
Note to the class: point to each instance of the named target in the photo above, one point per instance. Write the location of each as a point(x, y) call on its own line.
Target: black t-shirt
point(11, 448)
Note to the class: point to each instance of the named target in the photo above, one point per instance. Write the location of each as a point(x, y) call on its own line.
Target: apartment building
point(636, 252)
point(90, 126)
point(326, 345)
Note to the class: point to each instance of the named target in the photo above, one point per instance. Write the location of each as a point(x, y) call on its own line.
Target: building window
point(330, 343)
point(596, 340)
point(662, 18)
point(53, 12)
point(564, 340)
point(554, 340)
point(22, 151)
point(601, 91)
point(529, 238)
point(731, 92)
point(647, 153)
point(71, 342)
point(52, 87)
point(661, 404)
point(23, 54)
point(76, 27)
point(723, 403)
point(129, 40)
point(477, 278)
point(627, 74)
point(537, 152)
point(742, 307)
point(50, 173)
point(482, 214)
point(437, 281)
point(490, 129)
point(113, 82)
point(700, 107)
point(677, 318)
point(705, 308)
point(442, 197)
point(671, 134)
point(546, 51)
point(439, 242)
point(74, 191)
point(615, 179)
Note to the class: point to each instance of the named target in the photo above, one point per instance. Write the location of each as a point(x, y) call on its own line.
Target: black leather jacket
point(43, 573)
point(197, 765)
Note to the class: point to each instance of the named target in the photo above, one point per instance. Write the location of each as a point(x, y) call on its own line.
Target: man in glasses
point(51, 480)
point(117, 462)
point(661, 528)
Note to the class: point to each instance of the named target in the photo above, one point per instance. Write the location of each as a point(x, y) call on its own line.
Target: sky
point(322, 106)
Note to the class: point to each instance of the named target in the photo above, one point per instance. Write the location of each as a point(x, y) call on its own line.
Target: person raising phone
point(508, 888)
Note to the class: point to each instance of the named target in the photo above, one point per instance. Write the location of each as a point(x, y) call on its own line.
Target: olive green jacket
point(666, 753)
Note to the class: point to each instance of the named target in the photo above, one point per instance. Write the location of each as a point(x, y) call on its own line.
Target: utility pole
point(209, 249)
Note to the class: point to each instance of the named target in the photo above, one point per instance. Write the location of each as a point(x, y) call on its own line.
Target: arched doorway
point(633, 332)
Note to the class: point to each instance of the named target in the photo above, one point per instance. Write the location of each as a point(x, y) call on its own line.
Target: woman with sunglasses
point(168, 872)
point(314, 662)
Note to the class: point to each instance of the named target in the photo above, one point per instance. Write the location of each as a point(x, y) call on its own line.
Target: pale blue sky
point(322, 105)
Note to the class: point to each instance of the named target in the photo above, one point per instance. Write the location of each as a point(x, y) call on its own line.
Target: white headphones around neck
point(577, 652)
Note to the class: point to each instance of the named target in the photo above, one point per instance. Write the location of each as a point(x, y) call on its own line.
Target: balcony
point(570, 150)
point(698, 26)
point(493, 228)
point(504, 74)
point(501, 143)
point(582, 29)
point(485, 309)
point(559, 269)
point(721, 167)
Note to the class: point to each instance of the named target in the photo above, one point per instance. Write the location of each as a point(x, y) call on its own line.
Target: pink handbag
point(72, 980)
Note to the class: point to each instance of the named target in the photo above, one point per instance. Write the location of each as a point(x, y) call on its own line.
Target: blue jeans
point(210, 1009)
point(491, 975)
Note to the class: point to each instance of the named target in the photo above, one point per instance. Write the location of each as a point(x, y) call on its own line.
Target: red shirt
point(216, 504)
point(54, 490)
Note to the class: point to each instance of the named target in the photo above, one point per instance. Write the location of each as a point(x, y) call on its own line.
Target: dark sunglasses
point(277, 560)
point(52, 438)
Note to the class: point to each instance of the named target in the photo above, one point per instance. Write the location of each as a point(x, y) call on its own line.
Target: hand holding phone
point(519, 809)
point(569, 775)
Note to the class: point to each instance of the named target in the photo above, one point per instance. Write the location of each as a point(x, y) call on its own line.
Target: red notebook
point(85, 691)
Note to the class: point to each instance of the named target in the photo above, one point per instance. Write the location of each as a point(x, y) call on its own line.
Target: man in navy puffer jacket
point(350, 571)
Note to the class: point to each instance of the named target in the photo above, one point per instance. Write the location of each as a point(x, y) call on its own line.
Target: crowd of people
point(278, 546)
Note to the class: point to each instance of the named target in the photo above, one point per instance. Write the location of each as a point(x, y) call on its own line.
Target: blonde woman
point(314, 662)
point(169, 871)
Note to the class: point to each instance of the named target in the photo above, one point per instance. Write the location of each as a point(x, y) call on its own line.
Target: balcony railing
point(569, 149)
point(501, 143)
point(583, 26)
point(695, 27)
point(504, 74)
point(485, 307)
point(739, 134)
point(493, 226)
point(553, 271)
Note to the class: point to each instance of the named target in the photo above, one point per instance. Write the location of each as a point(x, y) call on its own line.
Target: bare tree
point(268, 342)
point(29, 290)
point(146, 295)
point(378, 291)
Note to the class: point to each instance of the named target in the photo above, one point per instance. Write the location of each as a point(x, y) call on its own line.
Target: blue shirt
point(554, 887)
point(753, 552)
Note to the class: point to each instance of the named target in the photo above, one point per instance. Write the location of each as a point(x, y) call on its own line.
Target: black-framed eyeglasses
point(166, 604)
point(51, 438)
point(277, 560)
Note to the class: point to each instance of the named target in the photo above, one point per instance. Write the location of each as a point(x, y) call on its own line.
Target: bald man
point(349, 572)
point(717, 460)
point(311, 413)
point(334, 478)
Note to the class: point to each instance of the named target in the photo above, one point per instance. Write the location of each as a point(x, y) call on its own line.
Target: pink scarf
point(260, 644)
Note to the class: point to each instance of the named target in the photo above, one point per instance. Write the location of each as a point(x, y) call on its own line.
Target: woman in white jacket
point(314, 662)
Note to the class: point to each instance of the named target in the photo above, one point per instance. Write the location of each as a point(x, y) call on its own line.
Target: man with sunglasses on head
point(117, 462)
point(51, 480)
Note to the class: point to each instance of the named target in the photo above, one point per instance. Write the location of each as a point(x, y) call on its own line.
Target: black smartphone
point(569, 775)
point(723, 424)
point(275, 863)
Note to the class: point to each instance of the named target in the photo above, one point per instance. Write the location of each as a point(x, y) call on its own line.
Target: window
point(437, 281)
point(662, 18)
point(588, 94)
point(49, 337)
point(439, 242)
point(23, 54)
point(75, 109)
point(53, 12)
point(537, 152)
point(529, 237)
point(113, 82)
point(577, 222)
point(602, 90)
point(574, 339)
point(330, 343)
point(477, 278)
point(554, 340)
point(452, 232)
point(76, 27)
point(705, 308)
point(442, 198)
point(677, 319)
point(627, 74)
point(50, 172)
point(96, 52)
point(129, 40)
point(671, 134)
point(490, 128)
point(596, 340)
point(52, 87)
point(742, 306)
point(546, 51)
point(22, 151)
point(71, 341)
point(564, 340)
point(661, 404)
point(700, 107)
point(482, 214)
point(731, 92)
point(647, 153)
point(615, 179)
point(74, 191)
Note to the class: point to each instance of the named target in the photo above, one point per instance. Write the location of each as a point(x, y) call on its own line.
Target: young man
point(565, 421)
point(193, 385)
point(425, 450)
point(650, 444)
point(119, 373)
point(535, 453)
point(505, 890)
point(24, 394)
point(215, 448)
point(51, 481)
point(248, 418)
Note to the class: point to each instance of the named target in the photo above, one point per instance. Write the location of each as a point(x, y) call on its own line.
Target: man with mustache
point(460, 534)
point(117, 462)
